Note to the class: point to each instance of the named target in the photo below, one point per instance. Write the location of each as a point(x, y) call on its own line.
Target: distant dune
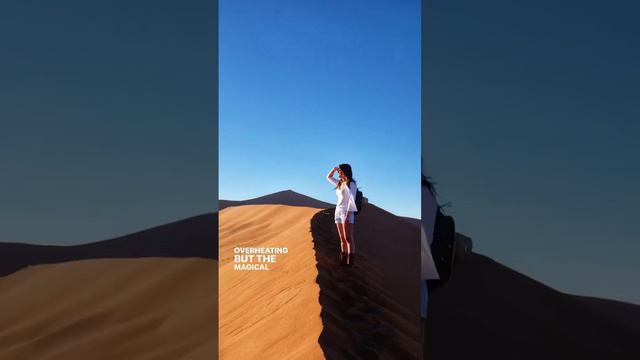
point(306, 306)
point(490, 311)
point(414, 221)
point(110, 309)
point(286, 197)
point(192, 237)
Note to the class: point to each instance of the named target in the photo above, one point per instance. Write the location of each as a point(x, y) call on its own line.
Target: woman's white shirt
point(346, 196)
point(429, 210)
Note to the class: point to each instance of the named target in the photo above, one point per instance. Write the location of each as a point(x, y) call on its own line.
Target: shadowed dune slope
point(624, 314)
point(286, 197)
point(152, 308)
point(306, 305)
point(369, 311)
point(487, 310)
point(192, 237)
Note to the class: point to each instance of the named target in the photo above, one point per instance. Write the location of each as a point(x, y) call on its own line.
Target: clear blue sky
point(305, 85)
point(107, 123)
point(532, 132)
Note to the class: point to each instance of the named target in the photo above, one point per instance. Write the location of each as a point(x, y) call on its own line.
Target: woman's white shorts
point(341, 216)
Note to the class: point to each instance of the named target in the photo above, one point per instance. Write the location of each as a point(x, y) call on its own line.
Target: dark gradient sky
point(107, 123)
point(531, 131)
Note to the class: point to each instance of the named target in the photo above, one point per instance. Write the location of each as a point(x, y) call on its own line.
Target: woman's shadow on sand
point(352, 318)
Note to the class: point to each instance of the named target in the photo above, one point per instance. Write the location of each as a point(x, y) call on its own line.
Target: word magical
point(256, 258)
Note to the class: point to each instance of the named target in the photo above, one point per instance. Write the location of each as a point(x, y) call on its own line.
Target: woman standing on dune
point(346, 190)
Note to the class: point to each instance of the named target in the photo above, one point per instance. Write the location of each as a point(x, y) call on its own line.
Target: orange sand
point(306, 306)
point(271, 314)
point(149, 308)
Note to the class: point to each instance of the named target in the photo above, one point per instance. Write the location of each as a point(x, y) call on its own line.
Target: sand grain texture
point(269, 314)
point(306, 306)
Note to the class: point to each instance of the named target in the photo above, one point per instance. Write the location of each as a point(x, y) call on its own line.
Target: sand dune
point(110, 309)
point(268, 314)
point(373, 311)
point(192, 237)
point(286, 197)
point(487, 310)
point(125, 303)
point(306, 306)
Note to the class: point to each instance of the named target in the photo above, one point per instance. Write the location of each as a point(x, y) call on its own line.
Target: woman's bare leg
point(350, 239)
point(345, 239)
point(344, 244)
point(339, 226)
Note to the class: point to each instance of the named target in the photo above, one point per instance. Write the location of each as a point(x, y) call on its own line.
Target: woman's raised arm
point(330, 176)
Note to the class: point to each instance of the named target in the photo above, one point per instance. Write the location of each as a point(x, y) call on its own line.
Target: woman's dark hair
point(346, 169)
point(430, 185)
point(426, 182)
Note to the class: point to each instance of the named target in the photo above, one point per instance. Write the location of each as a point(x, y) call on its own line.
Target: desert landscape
point(485, 310)
point(154, 295)
point(148, 295)
point(306, 305)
